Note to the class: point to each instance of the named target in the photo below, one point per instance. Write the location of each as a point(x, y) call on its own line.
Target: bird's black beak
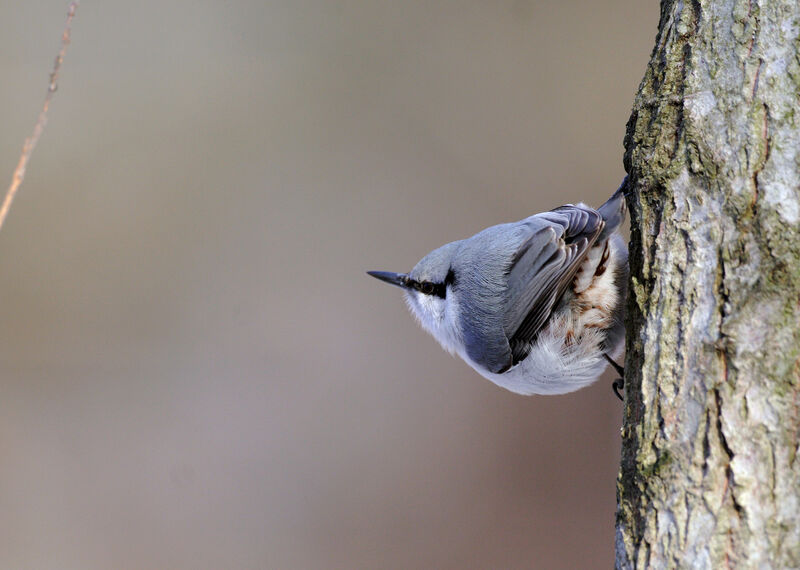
point(398, 279)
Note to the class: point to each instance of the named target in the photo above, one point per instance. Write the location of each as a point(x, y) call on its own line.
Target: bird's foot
point(619, 383)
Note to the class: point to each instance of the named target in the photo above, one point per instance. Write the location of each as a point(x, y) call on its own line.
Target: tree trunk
point(710, 475)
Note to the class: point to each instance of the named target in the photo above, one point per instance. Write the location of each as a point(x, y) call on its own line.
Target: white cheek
point(436, 316)
point(428, 310)
point(433, 306)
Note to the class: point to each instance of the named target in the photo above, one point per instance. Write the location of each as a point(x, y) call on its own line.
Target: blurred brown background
point(196, 373)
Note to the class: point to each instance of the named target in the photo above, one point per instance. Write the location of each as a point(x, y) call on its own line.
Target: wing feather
point(543, 268)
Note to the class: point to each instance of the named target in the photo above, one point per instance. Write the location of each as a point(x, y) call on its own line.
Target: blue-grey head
point(427, 285)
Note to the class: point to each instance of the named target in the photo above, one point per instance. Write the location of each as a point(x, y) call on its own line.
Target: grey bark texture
point(710, 475)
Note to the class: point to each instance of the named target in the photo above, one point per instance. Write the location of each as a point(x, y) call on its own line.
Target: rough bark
point(710, 476)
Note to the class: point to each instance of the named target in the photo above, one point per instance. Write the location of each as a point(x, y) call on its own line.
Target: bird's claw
point(619, 383)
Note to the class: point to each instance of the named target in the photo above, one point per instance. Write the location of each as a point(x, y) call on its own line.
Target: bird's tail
point(613, 211)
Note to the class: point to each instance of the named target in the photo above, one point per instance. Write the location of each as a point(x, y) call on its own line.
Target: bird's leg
point(619, 383)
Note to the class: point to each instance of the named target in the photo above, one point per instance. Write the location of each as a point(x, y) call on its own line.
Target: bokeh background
point(196, 373)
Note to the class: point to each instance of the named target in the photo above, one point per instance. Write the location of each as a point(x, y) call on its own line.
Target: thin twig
point(30, 142)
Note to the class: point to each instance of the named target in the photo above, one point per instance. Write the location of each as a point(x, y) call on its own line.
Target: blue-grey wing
point(543, 268)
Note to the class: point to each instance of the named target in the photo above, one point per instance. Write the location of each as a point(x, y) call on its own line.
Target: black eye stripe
point(429, 288)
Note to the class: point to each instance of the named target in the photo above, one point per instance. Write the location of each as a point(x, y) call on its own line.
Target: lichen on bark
point(709, 475)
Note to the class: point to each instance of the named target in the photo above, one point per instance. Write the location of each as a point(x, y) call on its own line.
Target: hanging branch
point(30, 142)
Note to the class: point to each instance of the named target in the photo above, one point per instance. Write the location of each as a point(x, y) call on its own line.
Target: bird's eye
point(426, 287)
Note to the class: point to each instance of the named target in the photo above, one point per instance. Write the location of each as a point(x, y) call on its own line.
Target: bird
point(535, 306)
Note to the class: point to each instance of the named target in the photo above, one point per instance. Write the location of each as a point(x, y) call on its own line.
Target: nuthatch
point(535, 306)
